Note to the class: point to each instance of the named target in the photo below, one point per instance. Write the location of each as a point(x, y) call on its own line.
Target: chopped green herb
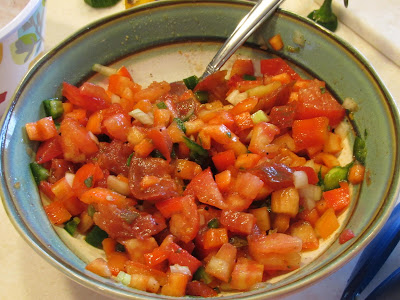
point(191, 82)
point(197, 153)
point(202, 275)
point(157, 153)
point(249, 77)
point(72, 225)
point(128, 161)
point(323, 90)
point(39, 172)
point(161, 105)
point(89, 181)
point(96, 236)
point(120, 248)
point(213, 223)
point(181, 124)
point(91, 210)
point(360, 149)
point(202, 96)
point(238, 241)
point(292, 49)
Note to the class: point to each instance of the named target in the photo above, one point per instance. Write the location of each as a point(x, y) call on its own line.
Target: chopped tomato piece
point(310, 132)
point(161, 141)
point(338, 198)
point(91, 98)
point(242, 67)
point(346, 235)
point(238, 222)
point(275, 66)
point(41, 130)
point(49, 149)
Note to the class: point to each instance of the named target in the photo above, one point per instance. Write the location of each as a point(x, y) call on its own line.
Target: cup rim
point(19, 19)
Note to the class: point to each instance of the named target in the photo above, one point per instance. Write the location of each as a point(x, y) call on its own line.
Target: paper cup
point(21, 43)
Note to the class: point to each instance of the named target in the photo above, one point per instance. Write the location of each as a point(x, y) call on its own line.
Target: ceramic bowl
point(172, 40)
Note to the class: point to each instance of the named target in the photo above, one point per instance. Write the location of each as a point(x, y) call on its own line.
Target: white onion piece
point(300, 179)
point(350, 104)
point(180, 269)
point(115, 184)
point(311, 192)
point(70, 178)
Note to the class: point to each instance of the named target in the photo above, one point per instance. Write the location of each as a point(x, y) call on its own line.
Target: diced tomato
point(117, 126)
point(185, 224)
point(76, 141)
point(204, 187)
point(138, 248)
point(86, 177)
point(338, 198)
point(263, 134)
point(123, 71)
point(215, 237)
point(161, 141)
point(314, 101)
point(103, 195)
point(176, 285)
point(41, 130)
point(275, 66)
point(49, 149)
point(57, 213)
point(275, 175)
point(283, 116)
point(221, 264)
point(133, 267)
point(170, 206)
point(242, 67)
point(118, 83)
point(100, 267)
point(116, 262)
point(238, 222)
point(164, 188)
point(200, 289)
point(223, 160)
point(91, 98)
point(246, 274)
point(346, 235)
point(310, 132)
point(274, 243)
point(215, 84)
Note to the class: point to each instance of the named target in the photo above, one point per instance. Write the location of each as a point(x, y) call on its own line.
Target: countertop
point(24, 275)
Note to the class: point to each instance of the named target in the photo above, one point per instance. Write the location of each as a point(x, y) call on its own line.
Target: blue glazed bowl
point(143, 35)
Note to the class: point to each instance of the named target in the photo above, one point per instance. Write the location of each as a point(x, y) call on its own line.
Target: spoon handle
point(257, 15)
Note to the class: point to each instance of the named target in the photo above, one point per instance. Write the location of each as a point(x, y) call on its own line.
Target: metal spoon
point(257, 15)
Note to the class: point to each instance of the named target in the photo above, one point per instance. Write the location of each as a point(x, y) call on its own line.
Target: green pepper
point(101, 3)
point(191, 82)
point(213, 223)
point(96, 236)
point(39, 172)
point(202, 96)
point(161, 105)
point(325, 16)
point(202, 275)
point(335, 176)
point(53, 108)
point(249, 77)
point(180, 124)
point(197, 153)
point(72, 225)
point(360, 149)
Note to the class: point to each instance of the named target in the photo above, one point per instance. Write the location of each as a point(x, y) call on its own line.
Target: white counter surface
point(24, 275)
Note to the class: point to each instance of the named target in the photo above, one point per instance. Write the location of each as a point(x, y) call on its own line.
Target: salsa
point(196, 187)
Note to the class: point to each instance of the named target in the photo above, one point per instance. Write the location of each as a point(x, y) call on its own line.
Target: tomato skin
point(338, 198)
point(165, 188)
point(200, 289)
point(276, 66)
point(162, 141)
point(49, 149)
point(346, 235)
point(312, 102)
point(275, 175)
point(242, 67)
point(283, 116)
point(204, 187)
point(91, 103)
point(309, 133)
point(86, 177)
point(238, 222)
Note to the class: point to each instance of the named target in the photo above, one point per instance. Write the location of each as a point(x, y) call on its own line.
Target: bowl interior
point(150, 31)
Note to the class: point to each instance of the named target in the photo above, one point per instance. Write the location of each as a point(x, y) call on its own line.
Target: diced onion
point(142, 117)
point(300, 179)
point(180, 269)
point(103, 70)
point(350, 104)
point(235, 97)
point(124, 278)
point(70, 178)
point(310, 192)
point(93, 137)
point(115, 184)
point(298, 38)
point(115, 98)
point(259, 116)
point(343, 130)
